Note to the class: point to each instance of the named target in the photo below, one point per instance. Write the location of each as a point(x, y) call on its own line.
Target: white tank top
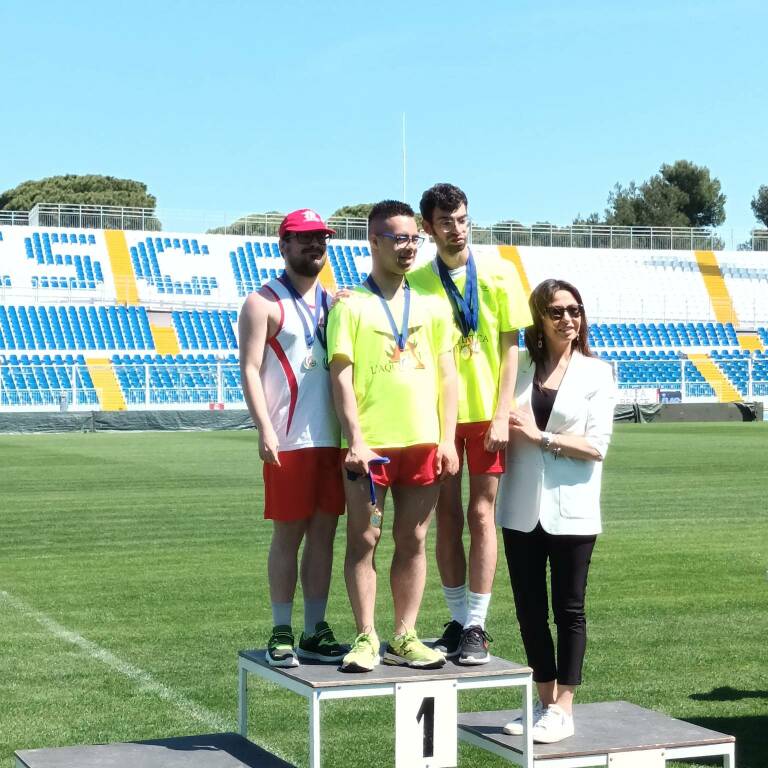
point(296, 382)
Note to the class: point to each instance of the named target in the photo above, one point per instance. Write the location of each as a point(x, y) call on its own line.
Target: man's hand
point(342, 293)
point(522, 423)
point(446, 459)
point(497, 436)
point(358, 457)
point(268, 443)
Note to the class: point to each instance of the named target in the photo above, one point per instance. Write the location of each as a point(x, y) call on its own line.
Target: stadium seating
point(163, 317)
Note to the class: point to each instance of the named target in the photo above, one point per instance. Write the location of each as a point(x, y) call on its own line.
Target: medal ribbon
point(304, 312)
point(401, 336)
point(465, 308)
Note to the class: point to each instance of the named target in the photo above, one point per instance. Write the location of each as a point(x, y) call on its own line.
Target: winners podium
point(428, 725)
point(425, 701)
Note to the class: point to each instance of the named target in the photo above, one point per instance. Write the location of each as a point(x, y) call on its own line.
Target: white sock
point(456, 598)
point(314, 613)
point(477, 610)
point(281, 613)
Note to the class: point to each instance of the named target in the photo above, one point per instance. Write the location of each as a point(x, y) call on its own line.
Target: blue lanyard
point(465, 308)
point(303, 310)
point(401, 336)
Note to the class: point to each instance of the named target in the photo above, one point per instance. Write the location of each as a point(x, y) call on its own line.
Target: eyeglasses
point(557, 313)
point(401, 241)
point(305, 238)
point(446, 225)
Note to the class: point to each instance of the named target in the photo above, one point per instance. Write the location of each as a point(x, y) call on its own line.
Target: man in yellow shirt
point(394, 385)
point(489, 307)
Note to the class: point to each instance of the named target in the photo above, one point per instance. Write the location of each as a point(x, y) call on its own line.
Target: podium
point(419, 697)
point(614, 733)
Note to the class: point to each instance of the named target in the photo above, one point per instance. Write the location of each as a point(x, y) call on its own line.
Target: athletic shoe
point(515, 727)
point(554, 725)
point(474, 646)
point(321, 646)
point(408, 651)
point(280, 651)
point(450, 643)
point(364, 654)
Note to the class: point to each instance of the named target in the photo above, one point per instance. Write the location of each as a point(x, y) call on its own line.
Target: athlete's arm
point(497, 436)
point(359, 454)
point(258, 320)
point(447, 458)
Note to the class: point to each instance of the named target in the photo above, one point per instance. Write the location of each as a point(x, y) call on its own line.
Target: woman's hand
point(522, 423)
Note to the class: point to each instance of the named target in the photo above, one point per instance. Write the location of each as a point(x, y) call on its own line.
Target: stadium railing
point(349, 228)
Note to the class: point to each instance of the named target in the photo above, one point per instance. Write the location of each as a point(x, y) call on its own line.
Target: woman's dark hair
point(541, 297)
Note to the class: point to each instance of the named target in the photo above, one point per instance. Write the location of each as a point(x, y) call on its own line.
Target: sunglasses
point(557, 313)
point(305, 238)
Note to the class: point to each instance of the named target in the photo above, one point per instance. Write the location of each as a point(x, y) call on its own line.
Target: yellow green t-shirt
point(397, 391)
point(503, 307)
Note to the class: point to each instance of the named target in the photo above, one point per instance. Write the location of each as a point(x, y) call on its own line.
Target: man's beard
point(307, 267)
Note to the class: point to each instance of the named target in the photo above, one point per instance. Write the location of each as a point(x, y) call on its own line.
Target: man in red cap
point(284, 372)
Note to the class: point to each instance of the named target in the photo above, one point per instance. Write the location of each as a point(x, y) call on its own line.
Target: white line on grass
point(146, 682)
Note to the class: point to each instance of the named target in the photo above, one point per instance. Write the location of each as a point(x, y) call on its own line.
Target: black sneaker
point(474, 646)
point(450, 643)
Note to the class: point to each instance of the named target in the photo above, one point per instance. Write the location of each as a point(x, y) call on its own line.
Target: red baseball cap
point(304, 220)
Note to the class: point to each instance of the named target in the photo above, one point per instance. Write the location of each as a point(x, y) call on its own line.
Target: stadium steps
point(722, 304)
point(166, 341)
point(725, 391)
point(326, 277)
point(750, 341)
point(126, 290)
point(106, 385)
point(510, 253)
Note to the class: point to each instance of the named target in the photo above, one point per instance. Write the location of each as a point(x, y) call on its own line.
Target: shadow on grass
point(726, 693)
point(750, 738)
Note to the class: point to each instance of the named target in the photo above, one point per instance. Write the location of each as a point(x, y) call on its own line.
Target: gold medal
point(375, 515)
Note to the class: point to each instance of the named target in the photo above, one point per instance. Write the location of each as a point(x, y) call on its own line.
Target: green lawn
point(132, 569)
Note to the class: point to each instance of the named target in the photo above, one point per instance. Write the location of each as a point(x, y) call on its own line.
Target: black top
point(542, 400)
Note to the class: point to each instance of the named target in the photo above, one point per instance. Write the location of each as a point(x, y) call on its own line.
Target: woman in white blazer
point(549, 497)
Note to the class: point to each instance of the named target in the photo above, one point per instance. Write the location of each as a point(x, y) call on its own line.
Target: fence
point(165, 385)
point(266, 225)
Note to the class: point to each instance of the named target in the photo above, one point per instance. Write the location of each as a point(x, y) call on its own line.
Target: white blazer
point(563, 493)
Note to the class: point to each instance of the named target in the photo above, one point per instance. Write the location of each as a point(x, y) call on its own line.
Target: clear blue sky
point(535, 108)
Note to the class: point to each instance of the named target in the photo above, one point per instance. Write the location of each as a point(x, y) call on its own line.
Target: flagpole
point(405, 172)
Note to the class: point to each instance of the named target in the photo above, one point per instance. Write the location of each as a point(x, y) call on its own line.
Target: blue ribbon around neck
point(466, 307)
point(401, 336)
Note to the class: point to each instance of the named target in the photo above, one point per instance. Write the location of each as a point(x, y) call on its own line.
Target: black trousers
point(569, 558)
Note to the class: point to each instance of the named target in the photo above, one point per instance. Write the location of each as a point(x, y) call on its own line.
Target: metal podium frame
point(381, 682)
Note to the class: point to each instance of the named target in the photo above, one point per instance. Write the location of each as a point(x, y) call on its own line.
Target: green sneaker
point(280, 651)
point(321, 646)
point(364, 655)
point(408, 651)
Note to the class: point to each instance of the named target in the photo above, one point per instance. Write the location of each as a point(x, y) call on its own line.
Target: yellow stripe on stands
point(510, 253)
point(126, 290)
point(326, 277)
point(166, 341)
point(104, 380)
point(724, 390)
point(750, 341)
point(721, 301)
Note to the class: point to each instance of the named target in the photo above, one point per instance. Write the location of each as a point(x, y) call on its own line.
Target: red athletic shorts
point(414, 465)
point(307, 480)
point(470, 437)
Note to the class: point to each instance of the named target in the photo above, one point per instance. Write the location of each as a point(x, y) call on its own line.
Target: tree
point(78, 190)
point(760, 205)
point(680, 195)
point(357, 211)
point(261, 224)
point(705, 206)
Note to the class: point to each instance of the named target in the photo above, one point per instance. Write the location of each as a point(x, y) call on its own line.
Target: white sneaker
point(515, 727)
point(554, 725)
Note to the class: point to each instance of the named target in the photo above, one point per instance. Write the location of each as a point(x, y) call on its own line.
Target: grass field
point(132, 569)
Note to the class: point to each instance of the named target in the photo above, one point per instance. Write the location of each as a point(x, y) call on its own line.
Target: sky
point(535, 109)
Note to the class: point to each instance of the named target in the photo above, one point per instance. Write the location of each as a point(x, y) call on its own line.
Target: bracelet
point(548, 444)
